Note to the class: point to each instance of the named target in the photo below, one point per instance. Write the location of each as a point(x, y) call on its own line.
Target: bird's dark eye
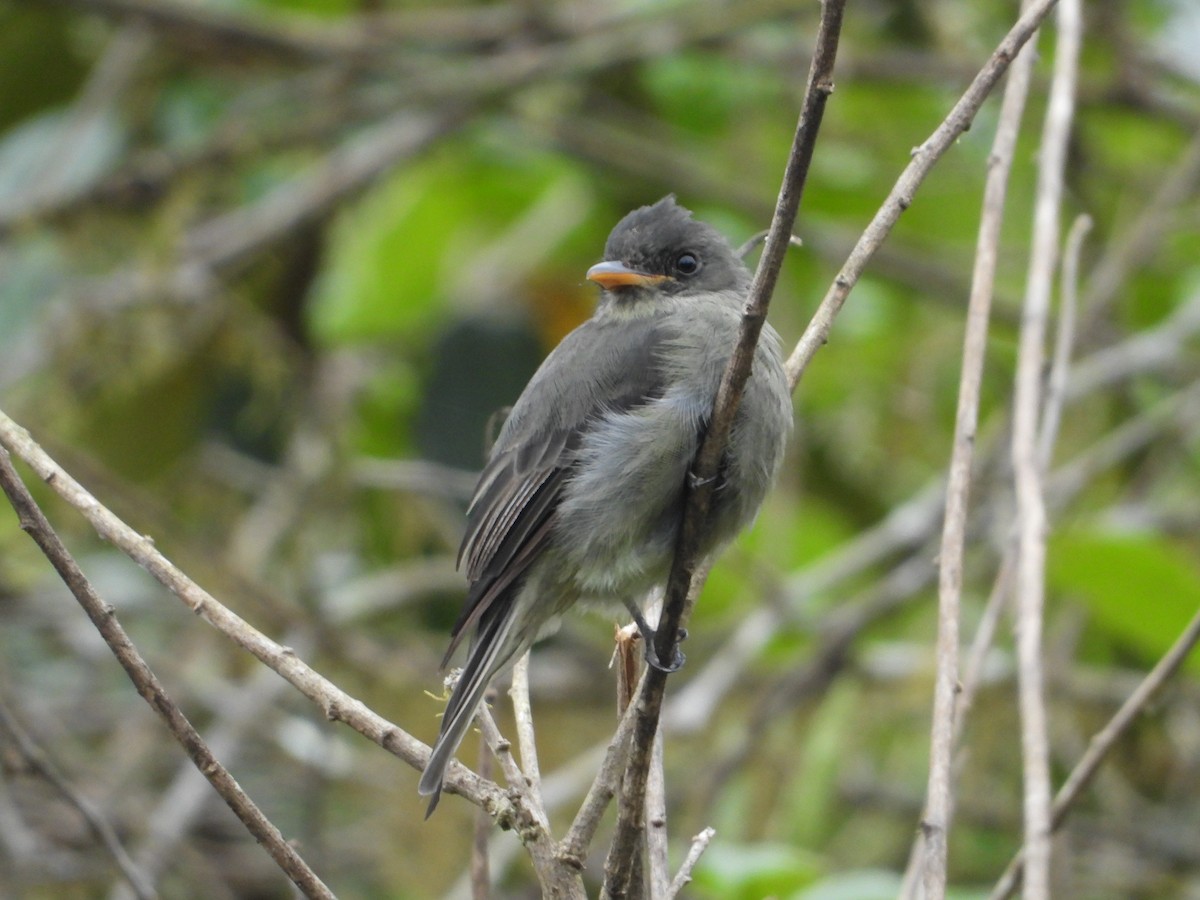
point(687, 264)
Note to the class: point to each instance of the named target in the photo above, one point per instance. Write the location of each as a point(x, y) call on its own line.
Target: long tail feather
point(488, 654)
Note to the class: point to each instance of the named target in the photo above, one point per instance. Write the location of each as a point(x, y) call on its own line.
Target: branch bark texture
point(935, 827)
point(923, 159)
point(631, 819)
point(1027, 469)
point(34, 522)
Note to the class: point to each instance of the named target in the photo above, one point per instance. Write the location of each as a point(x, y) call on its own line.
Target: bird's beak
point(612, 274)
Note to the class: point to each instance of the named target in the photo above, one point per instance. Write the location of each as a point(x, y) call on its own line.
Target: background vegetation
point(266, 269)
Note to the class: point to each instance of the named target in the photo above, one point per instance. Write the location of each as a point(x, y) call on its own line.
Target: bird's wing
point(510, 517)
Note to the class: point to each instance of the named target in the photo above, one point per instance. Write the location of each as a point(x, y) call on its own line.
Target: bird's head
point(661, 249)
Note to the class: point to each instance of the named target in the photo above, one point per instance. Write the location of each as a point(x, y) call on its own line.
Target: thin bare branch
point(526, 742)
point(751, 243)
point(1055, 397)
point(574, 846)
point(34, 522)
point(618, 868)
point(1027, 469)
point(501, 748)
point(935, 825)
point(480, 870)
point(1102, 744)
point(699, 844)
point(1064, 341)
point(657, 862)
point(39, 761)
point(902, 195)
point(336, 704)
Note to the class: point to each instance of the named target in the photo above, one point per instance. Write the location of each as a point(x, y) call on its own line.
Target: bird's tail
point(489, 652)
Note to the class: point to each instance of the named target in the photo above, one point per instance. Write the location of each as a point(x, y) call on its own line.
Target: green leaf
point(415, 245)
point(870, 884)
point(813, 795)
point(753, 871)
point(867, 884)
point(1142, 588)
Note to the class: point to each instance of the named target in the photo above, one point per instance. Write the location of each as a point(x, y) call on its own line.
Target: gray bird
point(581, 497)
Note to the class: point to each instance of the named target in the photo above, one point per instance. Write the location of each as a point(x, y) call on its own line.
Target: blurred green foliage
point(1140, 588)
point(227, 404)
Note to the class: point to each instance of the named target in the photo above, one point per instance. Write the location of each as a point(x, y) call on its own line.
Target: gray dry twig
point(1027, 468)
point(1102, 744)
point(34, 522)
point(699, 844)
point(40, 762)
point(901, 197)
point(620, 865)
point(935, 824)
point(336, 703)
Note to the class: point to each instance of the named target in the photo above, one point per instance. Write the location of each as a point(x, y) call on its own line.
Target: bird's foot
point(655, 662)
point(649, 635)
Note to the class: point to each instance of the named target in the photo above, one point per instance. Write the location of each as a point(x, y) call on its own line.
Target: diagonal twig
point(34, 522)
point(699, 844)
point(573, 847)
point(619, 866)
point(901, 197)
point(39, 761)
point(1102, 744)
point(336, 704)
